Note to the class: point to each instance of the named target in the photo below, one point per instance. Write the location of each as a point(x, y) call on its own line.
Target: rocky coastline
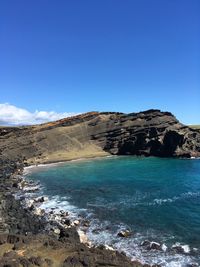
point(26, 229)
point(29, 239)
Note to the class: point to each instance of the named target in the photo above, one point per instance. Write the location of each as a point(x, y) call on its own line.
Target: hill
point(148, 133)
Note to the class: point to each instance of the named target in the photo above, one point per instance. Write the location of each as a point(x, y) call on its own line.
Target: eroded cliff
point(91, 134)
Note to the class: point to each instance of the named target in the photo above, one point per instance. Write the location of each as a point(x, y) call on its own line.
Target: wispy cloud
point(12, 115)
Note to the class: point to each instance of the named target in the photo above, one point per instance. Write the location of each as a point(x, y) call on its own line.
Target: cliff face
point(146, 133)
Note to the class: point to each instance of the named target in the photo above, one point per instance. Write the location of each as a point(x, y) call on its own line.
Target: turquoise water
point(158, 199)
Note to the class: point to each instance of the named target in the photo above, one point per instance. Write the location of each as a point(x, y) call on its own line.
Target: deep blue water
point(158, 199)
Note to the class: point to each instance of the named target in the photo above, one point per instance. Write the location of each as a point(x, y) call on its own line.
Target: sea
point(156, 199)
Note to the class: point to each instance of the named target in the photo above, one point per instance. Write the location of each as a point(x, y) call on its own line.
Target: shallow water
point(158, 199)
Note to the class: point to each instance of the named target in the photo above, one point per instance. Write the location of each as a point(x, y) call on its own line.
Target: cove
point(158, 199)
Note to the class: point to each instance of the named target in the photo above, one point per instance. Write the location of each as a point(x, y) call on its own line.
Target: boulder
point(145, 243)
point(109, 247)
point(155, 246)
point(85, 223)
point(56, 231)
point(83, 238)
point(124, 233)
point(67, 222)
point(30, 202)
point(39, 212)
point(64, 213)
point(185, 249)
point(15, 184)
point(41, 199)
point(76, 222)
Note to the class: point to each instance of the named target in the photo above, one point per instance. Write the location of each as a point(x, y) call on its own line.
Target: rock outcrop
point(91, 134)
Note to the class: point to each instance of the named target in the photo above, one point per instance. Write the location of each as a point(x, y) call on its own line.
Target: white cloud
point(12, 115)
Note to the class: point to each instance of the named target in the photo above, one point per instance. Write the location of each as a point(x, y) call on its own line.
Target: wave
point(105, 232)
point(99, 233)
point(57, 204)
point(182, 196)
point(139, 200)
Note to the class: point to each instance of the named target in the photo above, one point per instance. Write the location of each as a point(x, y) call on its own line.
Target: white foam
point(35, 168)
point(185, 195)
point(57, 204)
point(132, 248)
point(100, 232)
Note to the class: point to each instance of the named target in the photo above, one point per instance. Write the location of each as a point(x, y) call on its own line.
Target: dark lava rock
point(24, 262)
point(124, 233)
point(69, 235)
point(155, 245)
point(36, 261)
point(67, 222)
point(182, 249)
point(85, 223)
point(72, 262)
point(145, 243)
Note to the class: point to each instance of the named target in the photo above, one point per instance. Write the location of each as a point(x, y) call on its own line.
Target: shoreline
point(83, 234)
point(23, 229)
point(77, 221)
point(61, 162)
point(14, 178)
point(54, 216)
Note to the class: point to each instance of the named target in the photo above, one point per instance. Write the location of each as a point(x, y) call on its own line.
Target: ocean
point(157, 199)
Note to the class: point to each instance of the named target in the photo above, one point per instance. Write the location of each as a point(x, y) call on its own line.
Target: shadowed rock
point(145, 133)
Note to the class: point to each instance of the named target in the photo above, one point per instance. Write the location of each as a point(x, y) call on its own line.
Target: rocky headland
point(26, 238)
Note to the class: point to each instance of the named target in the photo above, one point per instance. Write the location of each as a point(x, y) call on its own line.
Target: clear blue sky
point(105, 55)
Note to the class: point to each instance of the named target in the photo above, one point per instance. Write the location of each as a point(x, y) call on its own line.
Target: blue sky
point(103, 55)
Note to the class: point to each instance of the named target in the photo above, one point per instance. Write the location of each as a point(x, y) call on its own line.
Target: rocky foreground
point(24, 240)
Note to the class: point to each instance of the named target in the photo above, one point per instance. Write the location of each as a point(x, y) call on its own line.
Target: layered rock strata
point(148, 133)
